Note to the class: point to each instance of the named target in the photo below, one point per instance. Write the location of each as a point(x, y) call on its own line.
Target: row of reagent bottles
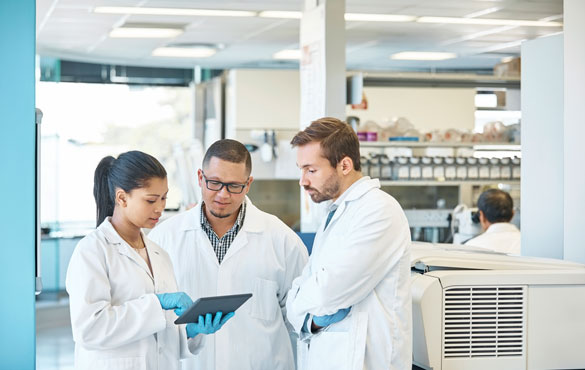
point(441, 168)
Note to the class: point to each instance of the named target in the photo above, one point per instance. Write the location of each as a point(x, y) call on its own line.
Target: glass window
point(82, 123)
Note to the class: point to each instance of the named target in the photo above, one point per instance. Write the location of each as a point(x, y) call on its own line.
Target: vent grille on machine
point(483, 321)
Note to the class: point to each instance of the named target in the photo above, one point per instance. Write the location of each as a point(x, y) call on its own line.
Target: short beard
point(217, 215)
point(330, 190)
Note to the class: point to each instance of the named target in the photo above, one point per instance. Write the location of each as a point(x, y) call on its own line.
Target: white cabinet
point(262, 99)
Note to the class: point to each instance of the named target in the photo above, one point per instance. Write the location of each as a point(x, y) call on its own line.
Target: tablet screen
point(205, 305)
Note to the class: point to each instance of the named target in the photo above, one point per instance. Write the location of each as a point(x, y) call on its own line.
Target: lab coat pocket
point(264, 301)
point(330, 350)
point(341, 346)
point(121, 363)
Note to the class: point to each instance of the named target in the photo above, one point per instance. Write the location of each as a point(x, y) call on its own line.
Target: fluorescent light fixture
point(422, 55)
point(489, 22)
point(482, 12)
point(290, 54)
point(140, 32)
point(280, 14)
point(378, 17)
point(198, 52)
point(173, 11)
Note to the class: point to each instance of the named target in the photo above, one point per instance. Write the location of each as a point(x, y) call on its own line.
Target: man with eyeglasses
point(226, 245)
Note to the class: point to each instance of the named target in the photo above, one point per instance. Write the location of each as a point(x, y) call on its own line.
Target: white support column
point(322, 72)
point(574, 130)
point(542, 147)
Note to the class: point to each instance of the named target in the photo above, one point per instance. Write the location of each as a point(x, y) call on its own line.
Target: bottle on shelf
point(438, 169)
point(516, 168)
point(505, 168)
point(495, 172)
point(415, 168)
point(461, 168)
point(401, 169)
point(450, 169)
point(484, 168)
point(385, 167)
point(427, 168)
point(375, 166)
point(365, 165)
point(472, 169)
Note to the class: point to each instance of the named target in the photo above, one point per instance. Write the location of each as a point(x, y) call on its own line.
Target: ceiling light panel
point(287, 54)
point(173, 11)
point(363, 17)
point(482, 12)
point(280, 14)
point(139, 32)
point(422, 55)
point(489, 22)
point(177, 52)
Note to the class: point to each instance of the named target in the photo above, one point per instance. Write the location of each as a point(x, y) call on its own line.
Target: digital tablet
point(205, 305)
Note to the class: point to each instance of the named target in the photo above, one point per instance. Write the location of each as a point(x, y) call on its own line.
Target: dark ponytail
point(130, 171)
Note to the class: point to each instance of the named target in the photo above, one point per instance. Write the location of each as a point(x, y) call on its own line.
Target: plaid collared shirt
point(221, 246)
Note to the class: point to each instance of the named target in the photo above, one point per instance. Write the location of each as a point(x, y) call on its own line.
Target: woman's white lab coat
point(116, 318)
point(263, 259)
point(361, 260)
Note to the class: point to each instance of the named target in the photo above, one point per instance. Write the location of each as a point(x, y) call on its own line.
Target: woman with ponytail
point(122, 290)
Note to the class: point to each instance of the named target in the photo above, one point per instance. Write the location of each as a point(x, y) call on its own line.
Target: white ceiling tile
point(68, 28)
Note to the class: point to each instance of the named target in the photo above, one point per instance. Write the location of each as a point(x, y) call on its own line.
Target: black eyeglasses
point(218, 185)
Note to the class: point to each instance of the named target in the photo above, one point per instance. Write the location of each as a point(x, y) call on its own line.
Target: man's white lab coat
point(264, 258)
point(502, 237)
point(361, 260)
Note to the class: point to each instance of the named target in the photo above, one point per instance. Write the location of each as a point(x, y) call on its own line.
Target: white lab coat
point(361, 260)
point(263, 259)
point(502, 237)
point(116, 318)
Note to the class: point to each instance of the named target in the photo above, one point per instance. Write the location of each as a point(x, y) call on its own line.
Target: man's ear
point(200, 177)
point(346, 165)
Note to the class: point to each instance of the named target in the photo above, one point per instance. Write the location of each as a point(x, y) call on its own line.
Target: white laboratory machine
point(476, 309)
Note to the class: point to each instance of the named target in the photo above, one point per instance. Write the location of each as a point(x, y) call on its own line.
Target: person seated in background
point(496, 209)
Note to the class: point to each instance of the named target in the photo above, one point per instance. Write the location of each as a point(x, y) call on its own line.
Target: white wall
point(264, 98)
point(542, 147)
point(574, 130)
point(426, 108)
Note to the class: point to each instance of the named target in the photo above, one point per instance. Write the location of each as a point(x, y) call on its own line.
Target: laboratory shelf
point(425, 144)
point(447, 183)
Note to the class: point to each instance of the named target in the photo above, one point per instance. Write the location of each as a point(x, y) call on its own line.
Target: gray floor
point(55, 345)
point(55, 348)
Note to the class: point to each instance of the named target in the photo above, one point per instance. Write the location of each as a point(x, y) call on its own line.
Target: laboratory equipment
point(476, 309)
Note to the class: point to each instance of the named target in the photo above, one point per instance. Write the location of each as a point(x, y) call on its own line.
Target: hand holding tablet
point(205, 306)
point(206, 325)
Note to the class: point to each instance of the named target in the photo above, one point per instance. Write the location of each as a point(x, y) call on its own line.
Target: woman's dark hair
point(130, 171)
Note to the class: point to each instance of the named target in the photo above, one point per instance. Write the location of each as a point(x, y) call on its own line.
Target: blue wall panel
point(17, 184)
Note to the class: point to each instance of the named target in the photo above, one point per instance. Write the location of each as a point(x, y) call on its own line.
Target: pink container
point(371, 136)
point(362, 136)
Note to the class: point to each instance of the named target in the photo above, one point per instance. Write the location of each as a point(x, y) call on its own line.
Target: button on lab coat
point(361, 260)
point(116, 318)
point(263, 259)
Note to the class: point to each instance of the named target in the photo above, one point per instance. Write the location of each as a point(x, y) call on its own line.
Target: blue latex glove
point(206, 326)
point(327, 320)
point(175, 301)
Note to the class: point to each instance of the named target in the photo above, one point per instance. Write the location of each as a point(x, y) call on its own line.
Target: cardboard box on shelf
point(509, 68)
